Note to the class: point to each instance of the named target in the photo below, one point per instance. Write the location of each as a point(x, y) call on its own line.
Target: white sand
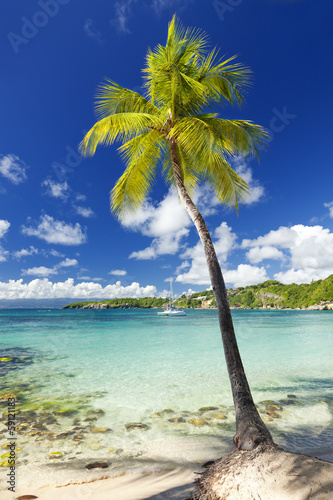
point(154, 481)
point(167, 485)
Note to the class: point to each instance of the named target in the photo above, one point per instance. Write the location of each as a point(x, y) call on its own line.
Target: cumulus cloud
point(224, 241)
point(167, 244)
point(245, 275)
point(25, 252)
point(118, 272)
point(45, 289)
point(166, 223)
point(258, 254)
point(68, 263)
point(54, 189)
point(4, 226)
point(39, 271)
point(48, 271)
point(13, 169)
point(86, 212)
point(306, 250)
point(56, 232)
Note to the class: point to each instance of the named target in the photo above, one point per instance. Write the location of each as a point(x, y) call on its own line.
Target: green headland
point(268, 295)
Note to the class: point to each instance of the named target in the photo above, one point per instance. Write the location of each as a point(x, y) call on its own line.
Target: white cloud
point(25, 252)
point(148, 253)
point(39, 271)
point(13, 169)
point(258, 254)
point(256, 190)
point(57, 232)
point(118, 272)
point(184, 265)
point(300, 276)
point(80, 197)
point(224, 241)
point(309, 252)
point(55, 253)
point(92, 32)
point(45, 289)
point(167, 244)
point(4, 226)
point(284, 237)
point(59, 190)
point(67, 263)
point(84, 211)
point(160, 5)
point(245, 275)
point(330, 207)
point(123, 11)
point(166, 224)
point(3, 254)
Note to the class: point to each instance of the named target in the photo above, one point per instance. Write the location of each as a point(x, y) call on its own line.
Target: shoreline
point(157, 483)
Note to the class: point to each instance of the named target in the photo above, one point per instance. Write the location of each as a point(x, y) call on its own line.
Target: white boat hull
point(172, 314)
point(171, 310)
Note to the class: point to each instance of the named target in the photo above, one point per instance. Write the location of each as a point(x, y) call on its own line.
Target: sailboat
point(171, 310)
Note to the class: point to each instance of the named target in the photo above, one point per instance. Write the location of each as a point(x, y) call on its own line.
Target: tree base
point(266, 473)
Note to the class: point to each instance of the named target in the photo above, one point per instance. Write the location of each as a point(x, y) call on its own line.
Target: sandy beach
point(160, 479)
point(177, 484)
point(170, 484)
point(167, 471)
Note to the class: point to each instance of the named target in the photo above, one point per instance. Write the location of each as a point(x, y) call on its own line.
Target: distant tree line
point(271, 293)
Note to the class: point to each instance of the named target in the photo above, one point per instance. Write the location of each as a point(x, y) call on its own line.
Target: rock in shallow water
point(208, 408)
point(98, 465)
point(197, 421)
point(136, 425)
point(177, 420)
point(100, 429)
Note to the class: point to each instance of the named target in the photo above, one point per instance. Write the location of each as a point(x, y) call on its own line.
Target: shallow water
point(79, 376)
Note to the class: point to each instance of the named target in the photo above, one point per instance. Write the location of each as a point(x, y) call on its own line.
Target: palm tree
point(172, 126)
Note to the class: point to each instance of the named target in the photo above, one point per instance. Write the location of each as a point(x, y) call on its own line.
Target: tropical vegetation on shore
point(173, 126)
point(270, 294)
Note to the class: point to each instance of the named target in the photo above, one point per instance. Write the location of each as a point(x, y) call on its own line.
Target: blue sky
point(58, 238)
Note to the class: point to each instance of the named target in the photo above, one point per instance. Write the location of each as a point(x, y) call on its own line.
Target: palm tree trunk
point(250, 429)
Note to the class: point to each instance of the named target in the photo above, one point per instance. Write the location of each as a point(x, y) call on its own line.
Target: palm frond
point(142, 155)
point(120, 126)
point(112, 98)
point(206, 132)
point(228, 186)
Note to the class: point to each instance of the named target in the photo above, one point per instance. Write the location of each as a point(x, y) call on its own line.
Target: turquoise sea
point(80, 376)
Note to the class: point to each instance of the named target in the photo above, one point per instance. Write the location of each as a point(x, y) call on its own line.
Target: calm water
point(81, 375)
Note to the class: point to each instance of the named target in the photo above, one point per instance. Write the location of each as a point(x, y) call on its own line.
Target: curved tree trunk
point(250, 429)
